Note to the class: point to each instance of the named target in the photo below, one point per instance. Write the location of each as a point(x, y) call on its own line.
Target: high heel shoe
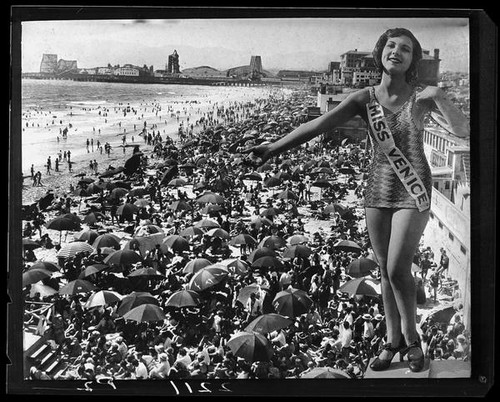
point(416, 364)
point(383, 364)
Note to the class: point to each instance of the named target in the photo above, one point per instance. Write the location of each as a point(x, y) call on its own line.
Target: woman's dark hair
point(411, 74)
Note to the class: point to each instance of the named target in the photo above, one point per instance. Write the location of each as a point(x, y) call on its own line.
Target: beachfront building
point(350, 63)
point(126, 70)
point(173, 63)
point(48, 65)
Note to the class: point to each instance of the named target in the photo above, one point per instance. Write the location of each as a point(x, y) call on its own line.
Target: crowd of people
point(271, 208)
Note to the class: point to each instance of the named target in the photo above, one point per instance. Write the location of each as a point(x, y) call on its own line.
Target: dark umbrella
point(91, 270)
point(236, 265)
point(180, 205)
point(260, 221)
point(260, 252)
point(107, 240)
point(169, 175)
point(35, 275)
point(442, 314)
point(271, 211)
point(292, 302)
point(132, 164)
point(267, 323)
point(360, 267)
point(127, 210)
point(63, 223)
point(93, 217)
point(325, 372)
point(29, 244)
point(50, 266)
point(177, 182)
point(244, 293)
point(118, 192)
point(123, 256)
point(183, 298)
point(360, 286)
point(207, 277)
point(255, 176)
point(298, 250)
point(77, 286)
point(218, 232)
point(250, 346)
point(297, 239)
point(288, 195)
point(176, 243)
point(137, 192)
point(191, 231)
point(209, 208)
point(268, 262)
point(272, 182)
point(145, 313)
point(210, 197)
point(45, 201)
point(112, 172)
point(274, 242)
point(135, 299)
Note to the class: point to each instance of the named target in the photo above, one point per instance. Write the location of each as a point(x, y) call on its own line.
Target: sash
point(399, 163)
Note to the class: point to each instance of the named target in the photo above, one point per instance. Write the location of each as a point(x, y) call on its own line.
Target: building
point(48, 64)
point(256, 67)
point(428, 68)
point(349, 63)
point(105, 70)
point(64, 66)
point(173, 63)
point(127, 70)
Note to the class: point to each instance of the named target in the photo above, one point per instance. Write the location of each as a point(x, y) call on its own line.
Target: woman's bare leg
point(379, 225)
point(406, 232)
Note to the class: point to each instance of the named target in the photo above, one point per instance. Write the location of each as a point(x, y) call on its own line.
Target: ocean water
point(50, 106)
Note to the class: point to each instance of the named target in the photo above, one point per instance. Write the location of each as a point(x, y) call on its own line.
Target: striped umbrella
point(73, 248)
point(103, 298)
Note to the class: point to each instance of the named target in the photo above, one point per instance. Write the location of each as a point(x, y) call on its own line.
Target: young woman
point(397, 197)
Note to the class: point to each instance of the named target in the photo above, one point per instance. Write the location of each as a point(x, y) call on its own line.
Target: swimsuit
point(384, 188)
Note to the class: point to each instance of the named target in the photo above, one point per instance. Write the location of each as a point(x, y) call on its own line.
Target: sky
point(282, 43)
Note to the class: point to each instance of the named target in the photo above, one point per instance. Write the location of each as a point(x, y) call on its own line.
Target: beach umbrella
point(148, 272)
point(112, 172)
point(170, 174)
point(250, 346)
point(348, 245)
point(103, 298)
point(183, 298)
point(206, 224)
point(260, 252)
point(80, 192)
point(147, 230)
point(142, 203)
point(322, 170)
point(86, 181)
point(122, 257)
point(93, 188)
point(177, 182)
point(145, 313)
point(63, 223)
point(118, 192)
point(288, 195)
point(195, 265)
point(77, 286)
point(361, 287)
point(104, 251)
point(144, 243)
point(218, 232)
point(73, 248)
point(180, 205)
point(127, 210)
point(177, 243)
point(268, 261)
point(42, 290)
point(221, 184)
point(49, 266)
point(274, 242)
point(442, 314)
point(347, 170)
point(207, 277)
point(107, 240)
point(91, 270)
point(191, 231)
point(242, 239)
point(321, 183)
point(29, 244)
point(93, 217)
point(271, 211)
point(210, 197)
point(236, 265)
point(325, 372)
point(46, 200)
point(260, 221)
point(342, 210)
point(298, 250)
point(292, 302)
point(267, 323)
point(272, 182)
point(297, 239)
point(35, 275)
point(135, 299)
point(360, 267)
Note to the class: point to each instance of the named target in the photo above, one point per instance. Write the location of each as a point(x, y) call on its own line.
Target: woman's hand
point(430, 93)
point(258, 154)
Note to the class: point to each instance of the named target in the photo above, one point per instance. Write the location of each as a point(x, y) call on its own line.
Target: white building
point(104, 70)
point(126, 71)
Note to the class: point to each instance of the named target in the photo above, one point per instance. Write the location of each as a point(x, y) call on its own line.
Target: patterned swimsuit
point(384, 189)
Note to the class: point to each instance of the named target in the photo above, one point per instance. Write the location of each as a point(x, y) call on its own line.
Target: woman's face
point(397, 55)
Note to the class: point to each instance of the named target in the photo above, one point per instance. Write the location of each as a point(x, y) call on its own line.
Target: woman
point(397, 197)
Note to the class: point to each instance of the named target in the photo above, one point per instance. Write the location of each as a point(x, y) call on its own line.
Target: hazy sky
point(287, 43)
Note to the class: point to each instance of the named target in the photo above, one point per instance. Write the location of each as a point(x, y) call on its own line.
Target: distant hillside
point(203, 71)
